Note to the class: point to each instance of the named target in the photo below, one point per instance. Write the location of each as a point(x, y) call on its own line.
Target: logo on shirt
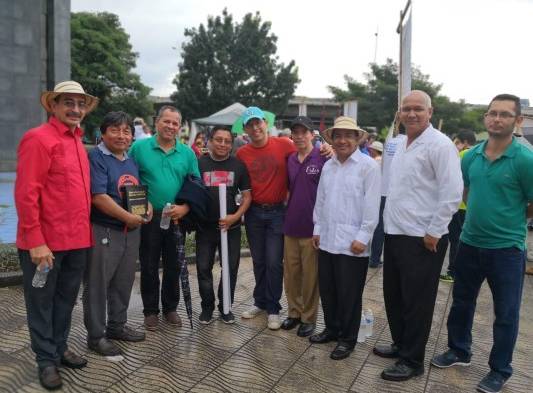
point(312, 169)
point(216, 178)
point(126, 180)
point(262, 168)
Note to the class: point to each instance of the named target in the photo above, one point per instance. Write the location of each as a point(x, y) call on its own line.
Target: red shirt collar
point(62, 127)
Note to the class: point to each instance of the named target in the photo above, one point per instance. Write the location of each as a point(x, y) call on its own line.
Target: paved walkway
point(247, 357)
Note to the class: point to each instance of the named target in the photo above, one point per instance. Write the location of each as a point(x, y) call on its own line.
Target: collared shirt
point(109, 174)
point(347, 203)
point(389, 149)
point(52, 189)
point(498, 194)
point(425, 186)
point(163, 172)
point(303, 184)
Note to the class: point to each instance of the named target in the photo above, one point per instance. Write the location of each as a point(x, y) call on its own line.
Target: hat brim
point(300, 124)
point(48, 96)
point(328, 132)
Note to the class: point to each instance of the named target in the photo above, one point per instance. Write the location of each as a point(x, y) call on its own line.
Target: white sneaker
point(252, 312)
point(274, 323)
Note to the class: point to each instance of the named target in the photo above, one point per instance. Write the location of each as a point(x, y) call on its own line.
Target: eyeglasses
point(223, 141)
point(502, 115)
point(71, 104)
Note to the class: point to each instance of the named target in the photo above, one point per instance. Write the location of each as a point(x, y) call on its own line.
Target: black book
point(136, 199)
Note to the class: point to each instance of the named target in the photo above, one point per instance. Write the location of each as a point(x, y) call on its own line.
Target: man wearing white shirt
point(424, 192)
point(345, 216)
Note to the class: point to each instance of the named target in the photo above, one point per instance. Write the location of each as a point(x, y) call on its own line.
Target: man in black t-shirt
point(219, 167)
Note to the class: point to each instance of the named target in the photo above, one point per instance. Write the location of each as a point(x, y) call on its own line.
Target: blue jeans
point(504, 270)
point(377, 239)
point(264, 230)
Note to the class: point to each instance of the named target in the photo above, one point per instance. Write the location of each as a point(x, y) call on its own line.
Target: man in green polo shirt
point(498, 180)
point(163, 162)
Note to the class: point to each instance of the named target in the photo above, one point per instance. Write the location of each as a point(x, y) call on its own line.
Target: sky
point(474, 48)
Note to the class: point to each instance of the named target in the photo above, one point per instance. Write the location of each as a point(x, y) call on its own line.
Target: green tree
point(227, 61)
point(102, 61)
point(378, 99)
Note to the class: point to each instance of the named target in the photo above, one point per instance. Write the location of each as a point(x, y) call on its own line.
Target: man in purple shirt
point(300, 257)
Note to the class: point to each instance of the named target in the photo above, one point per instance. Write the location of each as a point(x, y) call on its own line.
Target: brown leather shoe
point(151, 321)
point(72, 360)
point(173, 318)
point(529, 270)
point(50, 378)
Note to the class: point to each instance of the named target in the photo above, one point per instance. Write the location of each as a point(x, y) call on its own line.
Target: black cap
point(302, 121)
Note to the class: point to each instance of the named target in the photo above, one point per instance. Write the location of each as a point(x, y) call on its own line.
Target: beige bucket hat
point(341, 122)
point(71, 87)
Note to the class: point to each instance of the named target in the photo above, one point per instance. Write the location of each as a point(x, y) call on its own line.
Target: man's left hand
point(357, 247)
point(326, 150)
point(177, 212)
point(226, 222)
point(149, 213)
point(431, 242)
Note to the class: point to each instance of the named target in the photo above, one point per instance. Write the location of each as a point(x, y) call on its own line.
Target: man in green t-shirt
point(498, 191)
point(164, 162)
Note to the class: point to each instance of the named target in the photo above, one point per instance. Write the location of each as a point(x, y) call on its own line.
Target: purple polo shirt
point(303, 184)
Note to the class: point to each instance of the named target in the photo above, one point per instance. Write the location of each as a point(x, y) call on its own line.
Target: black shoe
point(104, 347)
point(228, 318)
point(206, 317)
point(389, 351)
point(401, 371)
point(321, 338)
point(305, 329)
point(126, 334)
point(50, 378)
point(290, 323)
point(71, 360)
point(342, 351)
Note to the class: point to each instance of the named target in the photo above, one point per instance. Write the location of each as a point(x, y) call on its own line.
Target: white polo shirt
point(425, 186)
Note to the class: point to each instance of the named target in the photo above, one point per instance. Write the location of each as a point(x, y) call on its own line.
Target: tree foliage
point(378, 99)
point(102, 61)
point(226, 61)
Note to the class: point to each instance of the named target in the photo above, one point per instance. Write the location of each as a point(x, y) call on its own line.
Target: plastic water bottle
point(165, 219)
point(40, 276)
point(369, 317)
point(361, 335)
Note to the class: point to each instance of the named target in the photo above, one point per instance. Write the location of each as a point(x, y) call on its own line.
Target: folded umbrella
point(184, 272)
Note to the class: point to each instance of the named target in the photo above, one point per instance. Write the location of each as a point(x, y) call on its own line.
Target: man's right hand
point(42, 254)
point(315, 241)
point(134, 221)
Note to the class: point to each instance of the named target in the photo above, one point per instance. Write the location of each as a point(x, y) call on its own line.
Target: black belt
point(268, 206)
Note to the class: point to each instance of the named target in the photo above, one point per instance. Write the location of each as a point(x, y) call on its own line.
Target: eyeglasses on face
point(71, 104)
point(502, 115)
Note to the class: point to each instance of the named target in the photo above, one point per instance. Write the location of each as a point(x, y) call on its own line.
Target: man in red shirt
point(53, 200)
point(265, 158)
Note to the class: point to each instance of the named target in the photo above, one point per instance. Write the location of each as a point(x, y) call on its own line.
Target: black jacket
point(197, 196)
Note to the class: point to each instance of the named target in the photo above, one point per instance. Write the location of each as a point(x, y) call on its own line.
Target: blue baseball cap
point(250, 113)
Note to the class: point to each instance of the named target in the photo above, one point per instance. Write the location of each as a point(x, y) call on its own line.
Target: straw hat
point(67, 87)
point(377, 145)
point(341, 122)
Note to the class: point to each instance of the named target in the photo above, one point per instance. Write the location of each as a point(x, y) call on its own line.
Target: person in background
point(376, 151)
point(142, 130)
point(110, 272)
point(220, 167)
point(300, 264)
point(53, 201)
point(199, 144)
point(345, 215)
point(463, 141)
point(498, 180)
point(164, 162)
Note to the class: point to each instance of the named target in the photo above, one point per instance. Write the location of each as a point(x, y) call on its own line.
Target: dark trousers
point(341, 281)
point(455, 228)
point(207, 242)
point(49, 309)
point(410, 283)
point(504, 270)
point(158, 244)
point(264, 229)
point(378, 237)
point(108, 280)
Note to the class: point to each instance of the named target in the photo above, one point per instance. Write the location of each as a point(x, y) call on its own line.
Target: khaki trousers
point(300, 276)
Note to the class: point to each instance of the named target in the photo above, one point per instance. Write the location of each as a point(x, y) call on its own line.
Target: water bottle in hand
point(165, 218)
point(361, 335)
point(40, 276)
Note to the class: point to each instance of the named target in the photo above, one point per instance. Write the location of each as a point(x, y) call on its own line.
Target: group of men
point(315, 217)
